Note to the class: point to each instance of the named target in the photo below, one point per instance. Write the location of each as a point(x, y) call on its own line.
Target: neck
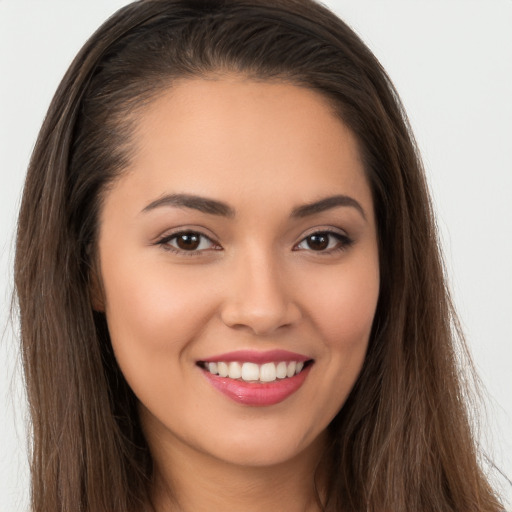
point(186, 481)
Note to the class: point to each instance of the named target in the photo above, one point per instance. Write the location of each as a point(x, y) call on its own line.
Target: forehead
point(242, 140)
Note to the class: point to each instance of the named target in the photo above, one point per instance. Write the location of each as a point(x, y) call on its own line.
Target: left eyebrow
point(326, 204)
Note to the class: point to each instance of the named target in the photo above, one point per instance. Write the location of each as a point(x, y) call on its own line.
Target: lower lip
point(258, 393)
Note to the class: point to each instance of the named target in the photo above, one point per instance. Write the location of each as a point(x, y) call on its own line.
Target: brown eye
point(187, 241)
point(324, 241)
point(318, 241)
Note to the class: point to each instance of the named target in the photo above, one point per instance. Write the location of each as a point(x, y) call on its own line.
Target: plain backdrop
point(451, 61)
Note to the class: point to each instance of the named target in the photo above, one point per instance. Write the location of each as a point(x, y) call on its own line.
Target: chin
point(266, 450)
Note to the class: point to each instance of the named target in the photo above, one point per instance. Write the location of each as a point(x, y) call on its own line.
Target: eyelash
point(343, 242)
point(165, 243)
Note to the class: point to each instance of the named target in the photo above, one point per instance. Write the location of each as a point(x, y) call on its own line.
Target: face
point(239, 267)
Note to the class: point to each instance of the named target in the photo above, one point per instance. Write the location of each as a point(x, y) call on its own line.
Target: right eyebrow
point(202, 204)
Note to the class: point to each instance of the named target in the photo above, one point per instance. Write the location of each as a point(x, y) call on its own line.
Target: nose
point(259, 299)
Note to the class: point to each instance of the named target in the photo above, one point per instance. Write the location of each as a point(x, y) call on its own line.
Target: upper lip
point(258, 357)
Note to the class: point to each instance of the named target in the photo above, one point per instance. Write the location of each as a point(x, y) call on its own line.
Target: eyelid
point(345, 241)
point(323, 229)
point(163, 241)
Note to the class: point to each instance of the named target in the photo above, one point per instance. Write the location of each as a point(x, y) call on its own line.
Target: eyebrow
point(326, 204)
point(202, 204)
point(214, 207)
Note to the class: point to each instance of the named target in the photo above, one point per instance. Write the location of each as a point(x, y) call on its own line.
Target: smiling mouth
point(255, 373)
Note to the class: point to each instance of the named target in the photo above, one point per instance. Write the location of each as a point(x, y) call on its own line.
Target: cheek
point(345, 315)
point(152, 312)
point(341, 307)
point(345, 305)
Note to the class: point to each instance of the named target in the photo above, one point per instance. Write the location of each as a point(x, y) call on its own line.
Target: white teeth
point(268, 372)
point(251, 372)
point(281, 370)
point(235, 370)
point(222, 369)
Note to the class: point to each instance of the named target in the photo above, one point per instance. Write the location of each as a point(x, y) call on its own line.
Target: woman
point(230, 290)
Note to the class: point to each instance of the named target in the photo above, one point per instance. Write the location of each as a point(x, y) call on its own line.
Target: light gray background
point(451, 61)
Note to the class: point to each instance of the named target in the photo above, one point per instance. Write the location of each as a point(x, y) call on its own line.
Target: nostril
point(258, 320)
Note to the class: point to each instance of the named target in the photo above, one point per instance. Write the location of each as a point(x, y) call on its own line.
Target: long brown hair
point(403, 440)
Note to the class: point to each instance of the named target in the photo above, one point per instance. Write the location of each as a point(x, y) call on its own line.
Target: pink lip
point(253, 356)
point(257, 394)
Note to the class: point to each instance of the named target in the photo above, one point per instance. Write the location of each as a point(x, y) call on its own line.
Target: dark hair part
point(403, 440)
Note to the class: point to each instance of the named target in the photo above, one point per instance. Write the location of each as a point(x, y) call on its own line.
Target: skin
point(256, 283)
